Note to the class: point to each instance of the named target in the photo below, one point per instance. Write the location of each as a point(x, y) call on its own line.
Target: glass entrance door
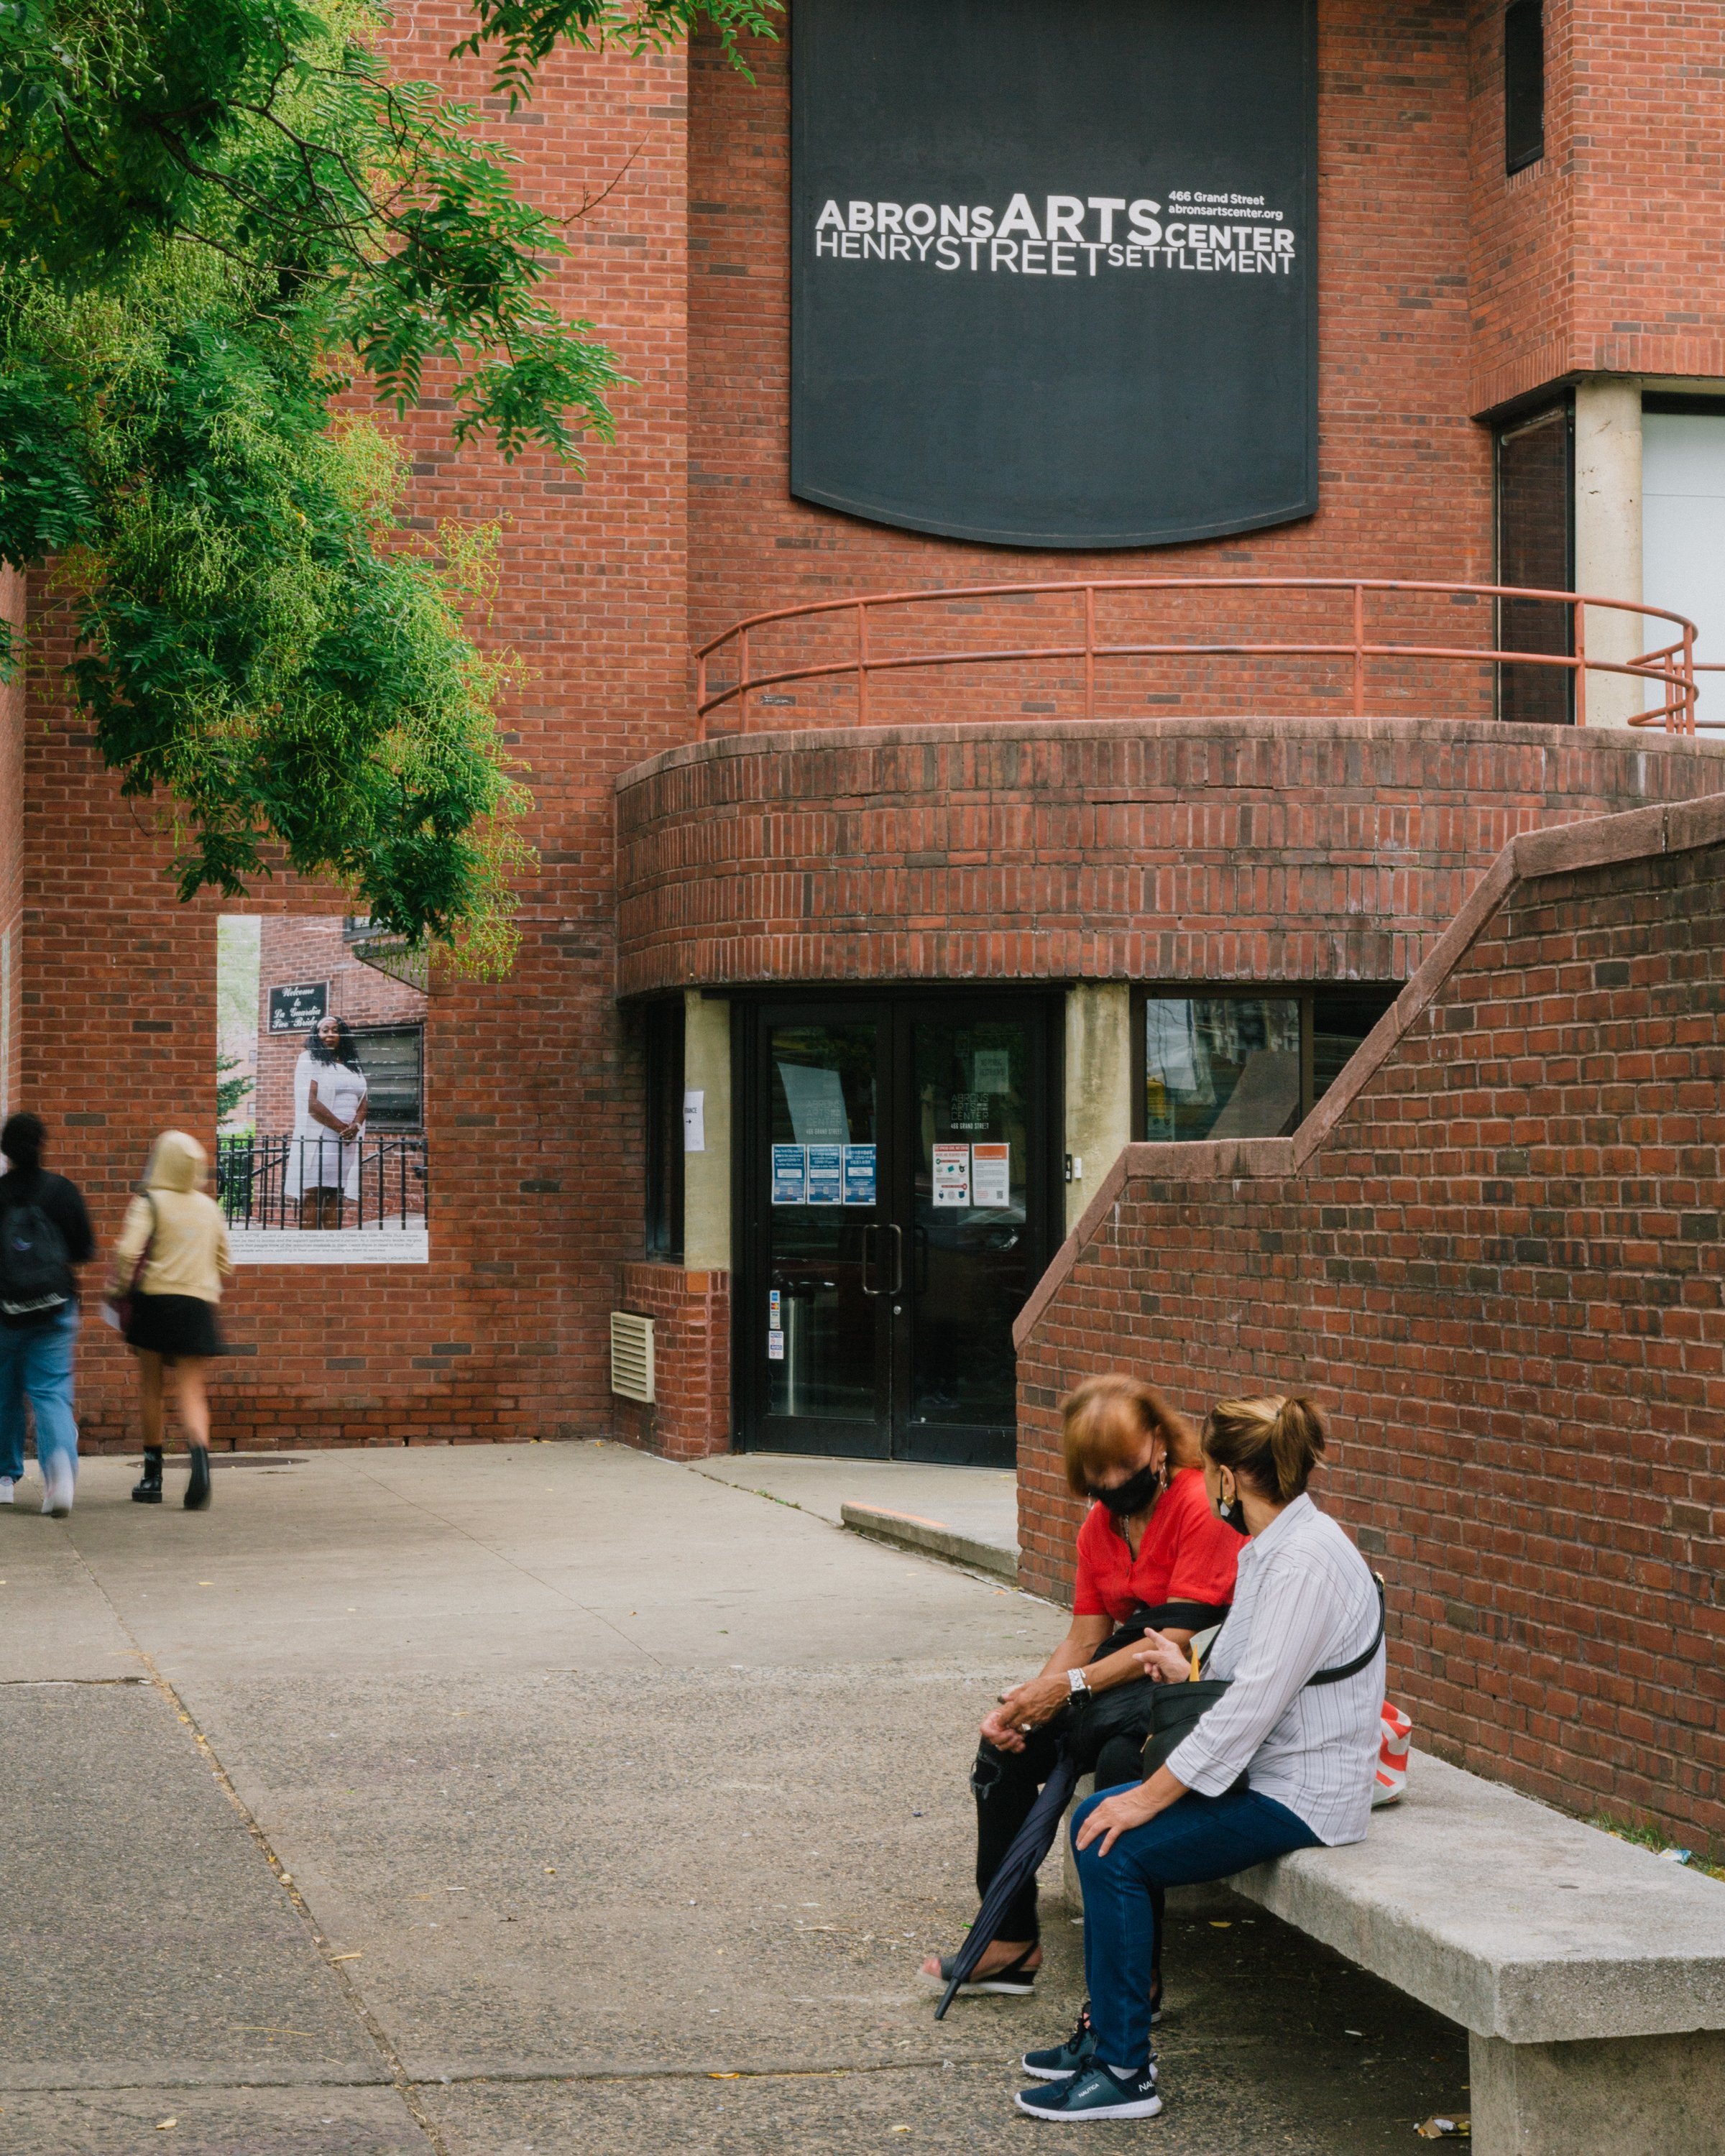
point(820, 1291)
point(901, 1185)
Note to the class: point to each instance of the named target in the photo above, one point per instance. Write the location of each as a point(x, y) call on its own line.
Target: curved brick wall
point(1218, 849)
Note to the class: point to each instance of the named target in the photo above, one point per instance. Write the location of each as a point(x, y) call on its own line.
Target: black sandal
point(1012, 1981)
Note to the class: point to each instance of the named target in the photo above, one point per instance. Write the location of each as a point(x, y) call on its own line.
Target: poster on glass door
point(991, 1175)
point(826, 1174)
point(951, 1175)
point(859, 1175)
point(790, 1175)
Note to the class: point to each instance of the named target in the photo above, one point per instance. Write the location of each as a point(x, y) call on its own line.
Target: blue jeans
point(1197, 1839)
point(36, 1365)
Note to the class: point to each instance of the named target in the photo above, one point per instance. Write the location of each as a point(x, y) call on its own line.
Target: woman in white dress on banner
point(329, 1103)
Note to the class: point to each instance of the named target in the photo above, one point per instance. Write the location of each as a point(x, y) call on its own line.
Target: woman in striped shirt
point(1279, 1762)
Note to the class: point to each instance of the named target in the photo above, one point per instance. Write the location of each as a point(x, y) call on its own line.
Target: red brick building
point(837, 1005)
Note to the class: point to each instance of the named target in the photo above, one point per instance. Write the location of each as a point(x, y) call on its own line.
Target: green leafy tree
point(215, 215)
point(231, 1089)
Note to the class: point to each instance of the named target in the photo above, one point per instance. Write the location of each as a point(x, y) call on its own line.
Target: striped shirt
point(1304, 1600)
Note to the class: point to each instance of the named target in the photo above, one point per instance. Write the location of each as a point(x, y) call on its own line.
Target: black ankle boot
point(147, 1489)
point(198, 1489)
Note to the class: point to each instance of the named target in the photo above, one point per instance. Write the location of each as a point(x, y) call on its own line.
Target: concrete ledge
point(908, 1531)
point(1522, 1924)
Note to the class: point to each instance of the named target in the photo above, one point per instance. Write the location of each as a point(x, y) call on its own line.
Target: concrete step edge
point(929, 1536)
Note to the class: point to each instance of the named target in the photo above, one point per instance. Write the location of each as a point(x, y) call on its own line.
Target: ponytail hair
point(1273, 1443)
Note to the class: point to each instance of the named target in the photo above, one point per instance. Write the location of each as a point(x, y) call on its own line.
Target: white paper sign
point(695, 1121)
point(991, 1174)
point(826, 1175)
point(951, 1175)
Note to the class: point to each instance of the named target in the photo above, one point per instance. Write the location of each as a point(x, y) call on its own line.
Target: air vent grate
point(631, 1355)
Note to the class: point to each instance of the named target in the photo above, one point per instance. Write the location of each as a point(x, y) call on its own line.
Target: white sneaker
point(57, 1500)
point(7, 1486)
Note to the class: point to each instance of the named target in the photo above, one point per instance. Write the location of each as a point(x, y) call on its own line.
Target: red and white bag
point(1393, 1755)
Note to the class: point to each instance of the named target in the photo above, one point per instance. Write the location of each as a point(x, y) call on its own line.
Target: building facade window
point(1683, 524)
point(1244, 1063)
point(664, 1045)
point(1535, 463)
point(1523, 85)
point(392, 1058)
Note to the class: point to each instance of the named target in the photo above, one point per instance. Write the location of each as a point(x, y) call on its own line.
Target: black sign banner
point(1054, 274)
point(298, 1009)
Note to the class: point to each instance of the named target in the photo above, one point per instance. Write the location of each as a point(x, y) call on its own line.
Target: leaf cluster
point(214, 216)
point(529, 31)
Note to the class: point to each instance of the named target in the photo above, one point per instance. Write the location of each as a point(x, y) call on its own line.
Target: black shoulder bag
point(1094, 1719)
point(1179, 1708)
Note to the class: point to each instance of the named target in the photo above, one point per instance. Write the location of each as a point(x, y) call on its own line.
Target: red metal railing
point(1669, 668)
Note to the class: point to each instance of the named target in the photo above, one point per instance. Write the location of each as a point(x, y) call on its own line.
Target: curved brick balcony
point(1147, 848)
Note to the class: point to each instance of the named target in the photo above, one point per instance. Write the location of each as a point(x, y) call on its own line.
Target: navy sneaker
point(1061, 2061)
point(1098, 2092)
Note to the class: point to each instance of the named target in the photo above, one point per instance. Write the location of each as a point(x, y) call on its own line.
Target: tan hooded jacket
point(189, 1252)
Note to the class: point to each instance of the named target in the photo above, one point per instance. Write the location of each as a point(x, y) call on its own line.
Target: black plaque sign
point(299, 1008)
point(1054, 279)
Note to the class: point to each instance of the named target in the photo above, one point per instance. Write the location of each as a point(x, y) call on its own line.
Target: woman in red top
point(1150, 1552)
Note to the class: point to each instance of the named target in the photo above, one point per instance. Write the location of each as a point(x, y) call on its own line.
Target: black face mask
point(1234, 1515)
point(1132, 1494)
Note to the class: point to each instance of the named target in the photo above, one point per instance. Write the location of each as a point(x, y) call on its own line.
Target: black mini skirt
point(173, 1325)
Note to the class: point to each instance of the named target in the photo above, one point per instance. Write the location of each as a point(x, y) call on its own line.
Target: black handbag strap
point(1346, 1669)
point(1359, 1662)
point(1190, 1616)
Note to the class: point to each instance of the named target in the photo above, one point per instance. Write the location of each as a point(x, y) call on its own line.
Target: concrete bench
point(1588, 1973)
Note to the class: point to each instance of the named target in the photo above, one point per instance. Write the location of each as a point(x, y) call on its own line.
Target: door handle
point(871, 1229)
point(897, 1235)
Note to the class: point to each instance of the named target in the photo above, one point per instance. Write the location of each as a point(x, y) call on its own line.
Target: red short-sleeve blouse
point(1187, 1555)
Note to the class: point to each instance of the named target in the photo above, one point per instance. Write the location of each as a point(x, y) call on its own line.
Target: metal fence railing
point(313, 1183)
point(1358, 628)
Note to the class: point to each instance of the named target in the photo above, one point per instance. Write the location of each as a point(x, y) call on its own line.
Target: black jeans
point(1005, 1784)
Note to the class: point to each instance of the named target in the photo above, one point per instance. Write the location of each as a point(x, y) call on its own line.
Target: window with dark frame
point(1535, 468)
point(1523, 85)
point(392, 1058)
point(663, 1045)
point(1226, 1062)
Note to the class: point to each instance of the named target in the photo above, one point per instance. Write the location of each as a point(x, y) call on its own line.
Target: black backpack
point(36, 1282)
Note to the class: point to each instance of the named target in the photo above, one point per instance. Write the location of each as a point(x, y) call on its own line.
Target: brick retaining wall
point(1495, 1249)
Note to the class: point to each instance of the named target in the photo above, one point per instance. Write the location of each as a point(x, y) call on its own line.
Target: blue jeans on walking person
point(1196, 1840)
point(36, 1365)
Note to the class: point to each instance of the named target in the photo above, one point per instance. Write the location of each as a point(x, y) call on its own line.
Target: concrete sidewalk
point(490, 1801)
point(967, 1515)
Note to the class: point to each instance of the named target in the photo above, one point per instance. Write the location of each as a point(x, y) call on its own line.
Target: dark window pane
point(1535, 548)
point(664, 1131)
point(1523, 85)
point(1341, 1019)
point(391, 1057)
point(1221, 1066)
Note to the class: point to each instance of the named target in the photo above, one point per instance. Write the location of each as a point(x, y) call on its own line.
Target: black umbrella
point(1031, 1844)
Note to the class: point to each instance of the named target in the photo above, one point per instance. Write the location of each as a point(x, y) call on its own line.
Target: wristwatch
point(1076, 1683)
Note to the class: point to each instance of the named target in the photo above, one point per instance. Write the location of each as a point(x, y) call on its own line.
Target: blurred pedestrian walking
point(44, 1234)
point(168, 1267)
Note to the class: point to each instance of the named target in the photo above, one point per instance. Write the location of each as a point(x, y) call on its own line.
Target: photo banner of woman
point(330, 1106)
